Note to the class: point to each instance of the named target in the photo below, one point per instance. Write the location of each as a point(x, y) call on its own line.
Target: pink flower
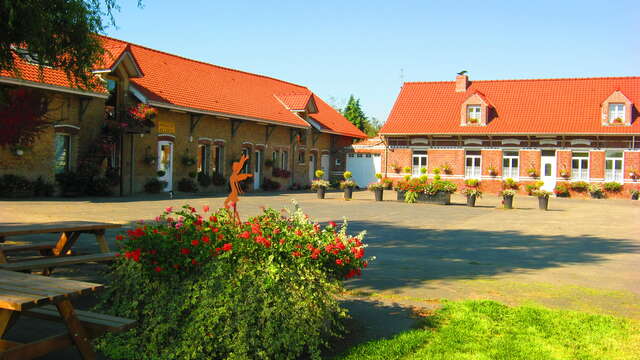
point(205, 208)
point(168, 210)
point(158, 219)
point(332, 224)
point(178, 225)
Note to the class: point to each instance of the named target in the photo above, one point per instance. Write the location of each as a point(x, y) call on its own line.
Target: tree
point(56, 33)
point(353, 112)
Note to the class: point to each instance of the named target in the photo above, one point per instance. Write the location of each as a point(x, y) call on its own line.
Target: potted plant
point(407, 169)
point(492, 170)
point(472, 194)
point(618, 120)
point(612, 186)
point(161, 173)
point(509, 183)
point(388, 183)
point(396, 168)
point(596, 191)
point(635, 194)
point(347, 185)
point(543, 198)
point(531, 170)
point(446, 168)
point(634, 174)
point(401, 188)
point(533, 187)
point(564, 172)
point(561, 190)
point(507, 198)
point(319, 185)
point(378, 189)
point(436, 174)
point(580, 186)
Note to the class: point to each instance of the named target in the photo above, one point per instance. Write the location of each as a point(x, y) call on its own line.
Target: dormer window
point(616, 113)
point(474, 113)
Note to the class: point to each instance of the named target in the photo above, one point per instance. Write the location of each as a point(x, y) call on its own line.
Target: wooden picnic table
point(69, 234)
point(32, 295)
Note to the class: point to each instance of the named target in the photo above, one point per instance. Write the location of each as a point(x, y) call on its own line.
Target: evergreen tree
point(353, 112)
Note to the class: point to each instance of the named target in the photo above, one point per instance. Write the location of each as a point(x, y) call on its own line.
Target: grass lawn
point(481, 330)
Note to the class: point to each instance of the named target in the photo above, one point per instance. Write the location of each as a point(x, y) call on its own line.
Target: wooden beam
point(235, 124)
point(314, 137)
point(78, 334)
point(194, 119)
point(269, 129)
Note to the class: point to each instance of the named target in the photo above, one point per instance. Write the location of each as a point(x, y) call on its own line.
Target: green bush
point(580, 186)
point(43, 188)
point(99, 186)
point(509, 183)
point(612, 186)
point(187, 185)
point(15, 186)
point(202, 287)
point(562, 190)
point(154, 186)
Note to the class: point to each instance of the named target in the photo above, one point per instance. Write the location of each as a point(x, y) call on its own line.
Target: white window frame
point(511, 171)
point(581, 173)
point(474, 171)
point(474, 112)
point(284, 160)
point(614, 174)
point(616, 110)
point(421, 158)
point(67, 150)
point(204, 157)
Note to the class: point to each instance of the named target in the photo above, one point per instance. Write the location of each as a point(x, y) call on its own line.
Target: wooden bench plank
point(87, 318)
point(19, 248)
point(14, 300)
point(56, 261)
point(58, 227)
point(38, 348)
point(46, 283)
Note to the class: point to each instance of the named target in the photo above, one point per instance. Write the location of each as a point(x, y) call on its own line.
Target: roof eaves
point(39, 85)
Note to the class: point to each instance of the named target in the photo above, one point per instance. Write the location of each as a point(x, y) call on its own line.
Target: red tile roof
point(558, 106)
point(172, 80)
point(294, 101)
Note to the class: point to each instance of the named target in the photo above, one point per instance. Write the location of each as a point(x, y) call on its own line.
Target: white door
point(324, 165)
point(312, 167)
point(257, 170)
point(364, 167)
point(165, 163)
point(548, 172)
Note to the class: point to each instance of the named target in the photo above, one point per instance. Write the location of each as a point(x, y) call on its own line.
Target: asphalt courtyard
point(580, 255)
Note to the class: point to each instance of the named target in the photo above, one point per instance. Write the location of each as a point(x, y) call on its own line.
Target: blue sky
point(338, 48)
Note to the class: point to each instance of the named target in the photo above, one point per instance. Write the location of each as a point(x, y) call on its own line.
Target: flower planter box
point(543, 203)
point(442, 198)
point(348, 193)
point(508, 201)
point(400, 195)
point(379, 194)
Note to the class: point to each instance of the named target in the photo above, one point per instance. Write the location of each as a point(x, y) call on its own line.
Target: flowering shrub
point(580, 186)
point(508, 192)
point(472, 182)
point(596, 191)
point(348, 184)
point(612, 186)
point(509, 183)
point(541, 193)
point(202, 287)
point(388, 183)
point(375, 186)
point(316, 184)
point(470, 191)
point(562, 189)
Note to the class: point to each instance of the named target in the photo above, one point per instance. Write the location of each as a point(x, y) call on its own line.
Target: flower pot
point(471, 200)
point(634, 197)
point(543, 202)
point(442, 198)
point(348, 193)
point(400, 195)
point(321, 191)
point(508, 201)
point(378, 193)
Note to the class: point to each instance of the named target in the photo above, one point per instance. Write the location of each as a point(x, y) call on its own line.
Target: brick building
point(207, 117)
point(554, 130)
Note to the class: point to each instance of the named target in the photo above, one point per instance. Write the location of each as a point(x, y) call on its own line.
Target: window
point(580, 166)
point(473, 113)
point(419, 162)
point(204, 153)
point(472, 167)
point(510, 167)
point(284, 160)
point(274, 158)
point(63, 149)
point(616, 111)
point(218, 160)
point(247, 165)
point(613, 166)
point(301, 157)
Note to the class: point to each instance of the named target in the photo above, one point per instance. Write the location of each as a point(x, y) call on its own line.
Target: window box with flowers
point(492, 171)
point(396, 168)
point(564, 172)
point(562, 189)
point(532, 170)
point(446, 168)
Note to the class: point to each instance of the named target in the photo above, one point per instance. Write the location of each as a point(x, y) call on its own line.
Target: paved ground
point(580, 255)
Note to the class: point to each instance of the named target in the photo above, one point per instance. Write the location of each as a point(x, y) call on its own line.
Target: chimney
point(462, 83)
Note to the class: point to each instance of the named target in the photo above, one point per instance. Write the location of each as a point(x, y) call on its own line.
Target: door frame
point(328, 163)
point(168, 176)
point(553, 160)
point(257, 169)
point(312, 166)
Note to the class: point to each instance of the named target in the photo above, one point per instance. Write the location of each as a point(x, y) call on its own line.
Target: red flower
point(158, 269)
point(365, 263)
point(195, 242)
point(276, 231)
point(295, 253)
point(185, 251)
point(315, 253)
point(119, 237)
point(220, 236)
point(227, 247)
point(339, 261)
point(332, 224)
point(117, 254)
point(244, 235)
point(155, 231)
point(194, 261)
point(213, 218)
point(205, 208)
point(153, 251)
point(215, 230)
point(255, 228)
point(281, 241)
point(205, 239)
point(198, 221)
point(298, 232)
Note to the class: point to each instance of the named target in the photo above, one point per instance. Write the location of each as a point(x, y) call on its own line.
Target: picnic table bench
point(49, 298)
point(57, 254)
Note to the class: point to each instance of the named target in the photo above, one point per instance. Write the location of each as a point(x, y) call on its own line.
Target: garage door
point(364, 168)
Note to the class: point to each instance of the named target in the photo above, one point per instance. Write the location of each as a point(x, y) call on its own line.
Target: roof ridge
point(205, 63)
point(540, 79)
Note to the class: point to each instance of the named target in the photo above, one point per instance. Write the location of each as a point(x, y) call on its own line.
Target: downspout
point(131, 167)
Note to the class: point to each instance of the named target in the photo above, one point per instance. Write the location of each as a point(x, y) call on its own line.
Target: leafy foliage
point(612, 186)
point(509, 183)
point(202, 287)
point(154, 186)
point(562, 189)
point(580, 186)
point(22, 116)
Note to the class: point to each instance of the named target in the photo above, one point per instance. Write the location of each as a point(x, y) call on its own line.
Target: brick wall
point(596, 165)
point(491, 158)
point(399, 157)
point(528, 159)
point(563, 159)
point(453, 157)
